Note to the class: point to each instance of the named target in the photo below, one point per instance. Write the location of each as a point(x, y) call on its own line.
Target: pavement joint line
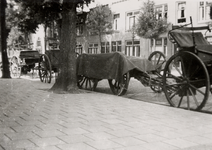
point(89, 106)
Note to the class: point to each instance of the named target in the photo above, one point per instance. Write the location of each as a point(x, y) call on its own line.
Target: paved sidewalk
point(32, 118)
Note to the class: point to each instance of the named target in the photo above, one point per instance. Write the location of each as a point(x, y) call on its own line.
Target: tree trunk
point(3, 43)
point(67, 78)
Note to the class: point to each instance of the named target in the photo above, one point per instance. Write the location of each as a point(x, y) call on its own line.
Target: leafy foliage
point(26, 15)
point(99, 20)
point(31, 13)
point(149, 26)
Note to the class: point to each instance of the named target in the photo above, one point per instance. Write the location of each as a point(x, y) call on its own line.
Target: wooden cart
point(187, 74)
point(118, 68)
point(24, 62)
point(48, 64)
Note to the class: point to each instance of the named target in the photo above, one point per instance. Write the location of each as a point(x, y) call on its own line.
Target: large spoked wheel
point(15, 69)
point(158, 59)
point(119, 88)
point(186, 82)
point(87, 83)
point(45, 69)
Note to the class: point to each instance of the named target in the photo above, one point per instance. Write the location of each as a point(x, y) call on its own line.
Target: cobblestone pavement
point(137, 91)
point(32, 118)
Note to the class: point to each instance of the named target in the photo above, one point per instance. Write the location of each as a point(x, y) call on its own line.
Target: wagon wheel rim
point(45, 69)
point(158, 59)
point(14, 67)
point(87, 83)
point(119, 87)
point(186, 85)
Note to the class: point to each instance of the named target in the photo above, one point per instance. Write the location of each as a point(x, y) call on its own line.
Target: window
point(105, 47)
point(79, 49)
point(79, 29)
point(93, 48)
point(181, 12)
point(132, 48)
point(115, 21)
point(161, 11)
point(116, 46)
point(131, 19)
point(204, 11)
point(131, 22)
point(158, 42)
point(165, 13)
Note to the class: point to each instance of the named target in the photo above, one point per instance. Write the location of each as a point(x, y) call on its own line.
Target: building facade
point(124, 39)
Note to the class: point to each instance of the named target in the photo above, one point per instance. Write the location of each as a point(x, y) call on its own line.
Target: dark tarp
point(110, 65)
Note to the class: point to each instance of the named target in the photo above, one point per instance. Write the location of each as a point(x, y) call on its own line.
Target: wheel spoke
point(159, 59)
point(183, 68)
point(90, 86)
point(81, 83)
point(186, 85)
point(201, 92)
point(87, 83)
point(193, 95)
point(188, 101)
point(180, 101)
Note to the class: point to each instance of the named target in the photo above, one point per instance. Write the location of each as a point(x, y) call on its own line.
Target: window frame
point(181, 12)
point(130, 51)
point(131, 19)
point(93, 48)
point(115, 21)
point(203, 11)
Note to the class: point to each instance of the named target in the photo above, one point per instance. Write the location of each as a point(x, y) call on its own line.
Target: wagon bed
point(116, 67)
point(111, 65)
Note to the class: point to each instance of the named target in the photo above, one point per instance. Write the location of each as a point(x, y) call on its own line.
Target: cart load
point(116, 67)
point(110, 65)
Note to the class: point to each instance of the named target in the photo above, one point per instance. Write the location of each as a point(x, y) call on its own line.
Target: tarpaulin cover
point(185, 39)
point(110, 65)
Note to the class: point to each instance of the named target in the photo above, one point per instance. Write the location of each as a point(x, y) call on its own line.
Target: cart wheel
point(15, 69)
point(44, 69)
point(158, 59)
point(87, 83)
point(186, 82)
point(119, 88)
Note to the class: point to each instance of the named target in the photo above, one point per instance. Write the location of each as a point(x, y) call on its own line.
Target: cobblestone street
point(32, 118)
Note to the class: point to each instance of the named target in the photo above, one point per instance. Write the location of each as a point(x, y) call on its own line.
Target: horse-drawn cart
point(118, 68)
point(24, 62)
point(184, 78)
point(187, 74)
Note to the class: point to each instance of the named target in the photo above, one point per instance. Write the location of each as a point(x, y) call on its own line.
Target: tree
point(38, 11)
point(149, 25)
point(99, 21)
point(3, 37)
